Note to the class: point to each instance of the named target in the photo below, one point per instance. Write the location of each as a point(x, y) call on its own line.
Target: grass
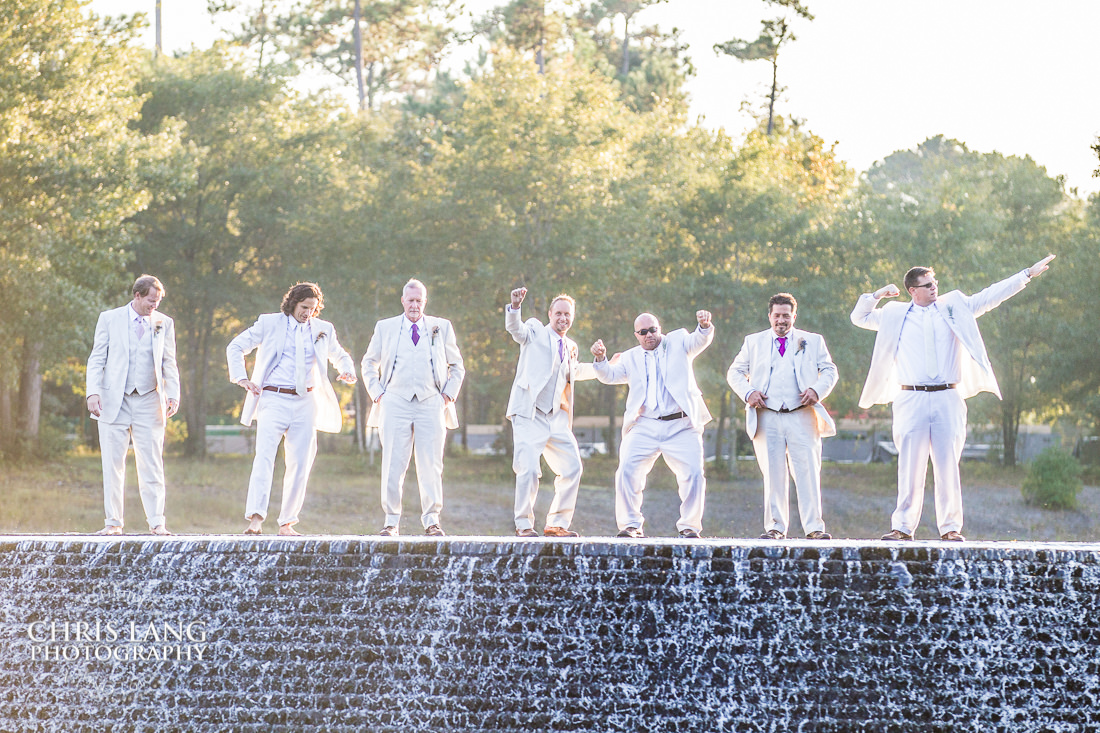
point(207, 497)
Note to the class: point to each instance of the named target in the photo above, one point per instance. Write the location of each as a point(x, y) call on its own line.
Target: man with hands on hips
point(782, 374)
point(540, 407)
point(929, 358)
point(289, 397)
point(665, 415)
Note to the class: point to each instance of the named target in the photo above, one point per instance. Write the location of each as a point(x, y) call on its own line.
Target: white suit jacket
point(961, 313)
point(447, 369)
point(813, 368)
point(536, 361)
point(268, 334)
point(679, 350)
point(110, 359)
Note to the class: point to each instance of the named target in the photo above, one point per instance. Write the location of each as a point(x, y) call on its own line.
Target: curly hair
point(300, 292)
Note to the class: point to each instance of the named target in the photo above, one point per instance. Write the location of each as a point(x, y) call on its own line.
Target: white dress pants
point(413, 427)
point(929, 424)
point(289, 418)
point(546, 436)
point(682, 448)
point(786, 444)
point(141, 419)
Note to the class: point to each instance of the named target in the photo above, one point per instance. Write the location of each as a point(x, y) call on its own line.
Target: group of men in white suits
point(928, 359)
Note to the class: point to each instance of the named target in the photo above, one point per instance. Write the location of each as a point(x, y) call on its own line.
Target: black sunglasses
point(651, 329)
point(931, 284)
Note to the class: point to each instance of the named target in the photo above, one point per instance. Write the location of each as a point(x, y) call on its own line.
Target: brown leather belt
point(787, 409)
point(927, 387)
point(673, 416)
point(285, 390)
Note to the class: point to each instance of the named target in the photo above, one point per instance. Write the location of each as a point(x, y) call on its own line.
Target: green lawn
point(207, 497)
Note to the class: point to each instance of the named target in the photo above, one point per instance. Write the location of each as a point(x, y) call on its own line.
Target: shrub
point(1053, 480)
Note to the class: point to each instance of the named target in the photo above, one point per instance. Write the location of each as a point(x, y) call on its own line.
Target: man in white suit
point(289, 397)
point(929, 357)
point(413, 371)
point(540, 407)
point(777, 373)
point(133, 387)
point(665, 415)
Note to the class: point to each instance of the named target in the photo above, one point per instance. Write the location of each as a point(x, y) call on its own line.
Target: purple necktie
point(416, 335)
point(782, 345)
point(561, 350)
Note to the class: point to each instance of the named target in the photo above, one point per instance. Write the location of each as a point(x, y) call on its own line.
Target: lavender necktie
point(416, 335)
point(561, 350)
point(782, 345)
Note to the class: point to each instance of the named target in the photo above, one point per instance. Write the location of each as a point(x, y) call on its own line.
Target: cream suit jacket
point(678, 350)
point(536, 361)
point(110, 360)
point(268, 334)
point(447, 369)
point(813, 369)
point(961, 313)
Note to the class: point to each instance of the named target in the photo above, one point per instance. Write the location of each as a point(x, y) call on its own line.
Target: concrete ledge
point(219, 633)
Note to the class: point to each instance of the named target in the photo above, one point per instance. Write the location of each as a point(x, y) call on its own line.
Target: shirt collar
point(134, 315)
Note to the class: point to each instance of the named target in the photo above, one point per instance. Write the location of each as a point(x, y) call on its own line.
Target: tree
point(71, 171)
point(774, 34)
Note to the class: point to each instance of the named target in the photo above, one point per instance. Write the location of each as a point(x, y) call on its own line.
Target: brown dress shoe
point(634, 533)
point(897, 534)
point(435, 531)
point(689, 534)
point(559, 532)
point(526, 533)
point(819, 535)
point(388, 531)
point(952, 536)
point(773, 534)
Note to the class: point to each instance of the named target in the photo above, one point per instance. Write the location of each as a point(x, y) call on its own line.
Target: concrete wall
point(480, 634)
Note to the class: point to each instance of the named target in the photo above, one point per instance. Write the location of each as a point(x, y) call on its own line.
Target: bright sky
point(1017, 77)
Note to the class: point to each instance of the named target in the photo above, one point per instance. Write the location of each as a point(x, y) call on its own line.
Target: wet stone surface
point(488, 634)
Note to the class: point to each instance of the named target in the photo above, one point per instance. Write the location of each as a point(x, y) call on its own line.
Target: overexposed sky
point(1017, 77)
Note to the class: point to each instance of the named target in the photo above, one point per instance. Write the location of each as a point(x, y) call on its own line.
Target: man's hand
point(250, 386)
point(347, 378)
point(809, 397)
point(517, 297)
point(447, 399)
point(704, 318)
point(599, 351)
point(95, 405)
point(173, 407)
point(756, 399)
point(890, 291)
point(1040, 267)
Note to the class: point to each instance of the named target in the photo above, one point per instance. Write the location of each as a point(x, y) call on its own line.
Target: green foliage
point(1053, 480)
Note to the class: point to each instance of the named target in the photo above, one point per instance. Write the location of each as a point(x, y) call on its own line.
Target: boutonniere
point(801, 346)
point(435, 332)
point(573, 353)
point(158, 328)
point(951, 313)
point(319, 337)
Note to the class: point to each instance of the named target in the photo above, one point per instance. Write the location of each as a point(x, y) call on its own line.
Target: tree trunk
point(193, 372)
point(7, 426)
point(30, 390)
point(1010, 429)
point(612, 407)
point(719, 433)
point(358, 38)
point(626, 46)
point(771, 99)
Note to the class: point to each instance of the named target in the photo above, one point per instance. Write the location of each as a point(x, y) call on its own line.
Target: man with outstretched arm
point(929, 358)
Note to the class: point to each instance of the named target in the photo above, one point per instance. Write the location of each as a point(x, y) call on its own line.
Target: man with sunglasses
point(929, 358)
point(665, 415)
